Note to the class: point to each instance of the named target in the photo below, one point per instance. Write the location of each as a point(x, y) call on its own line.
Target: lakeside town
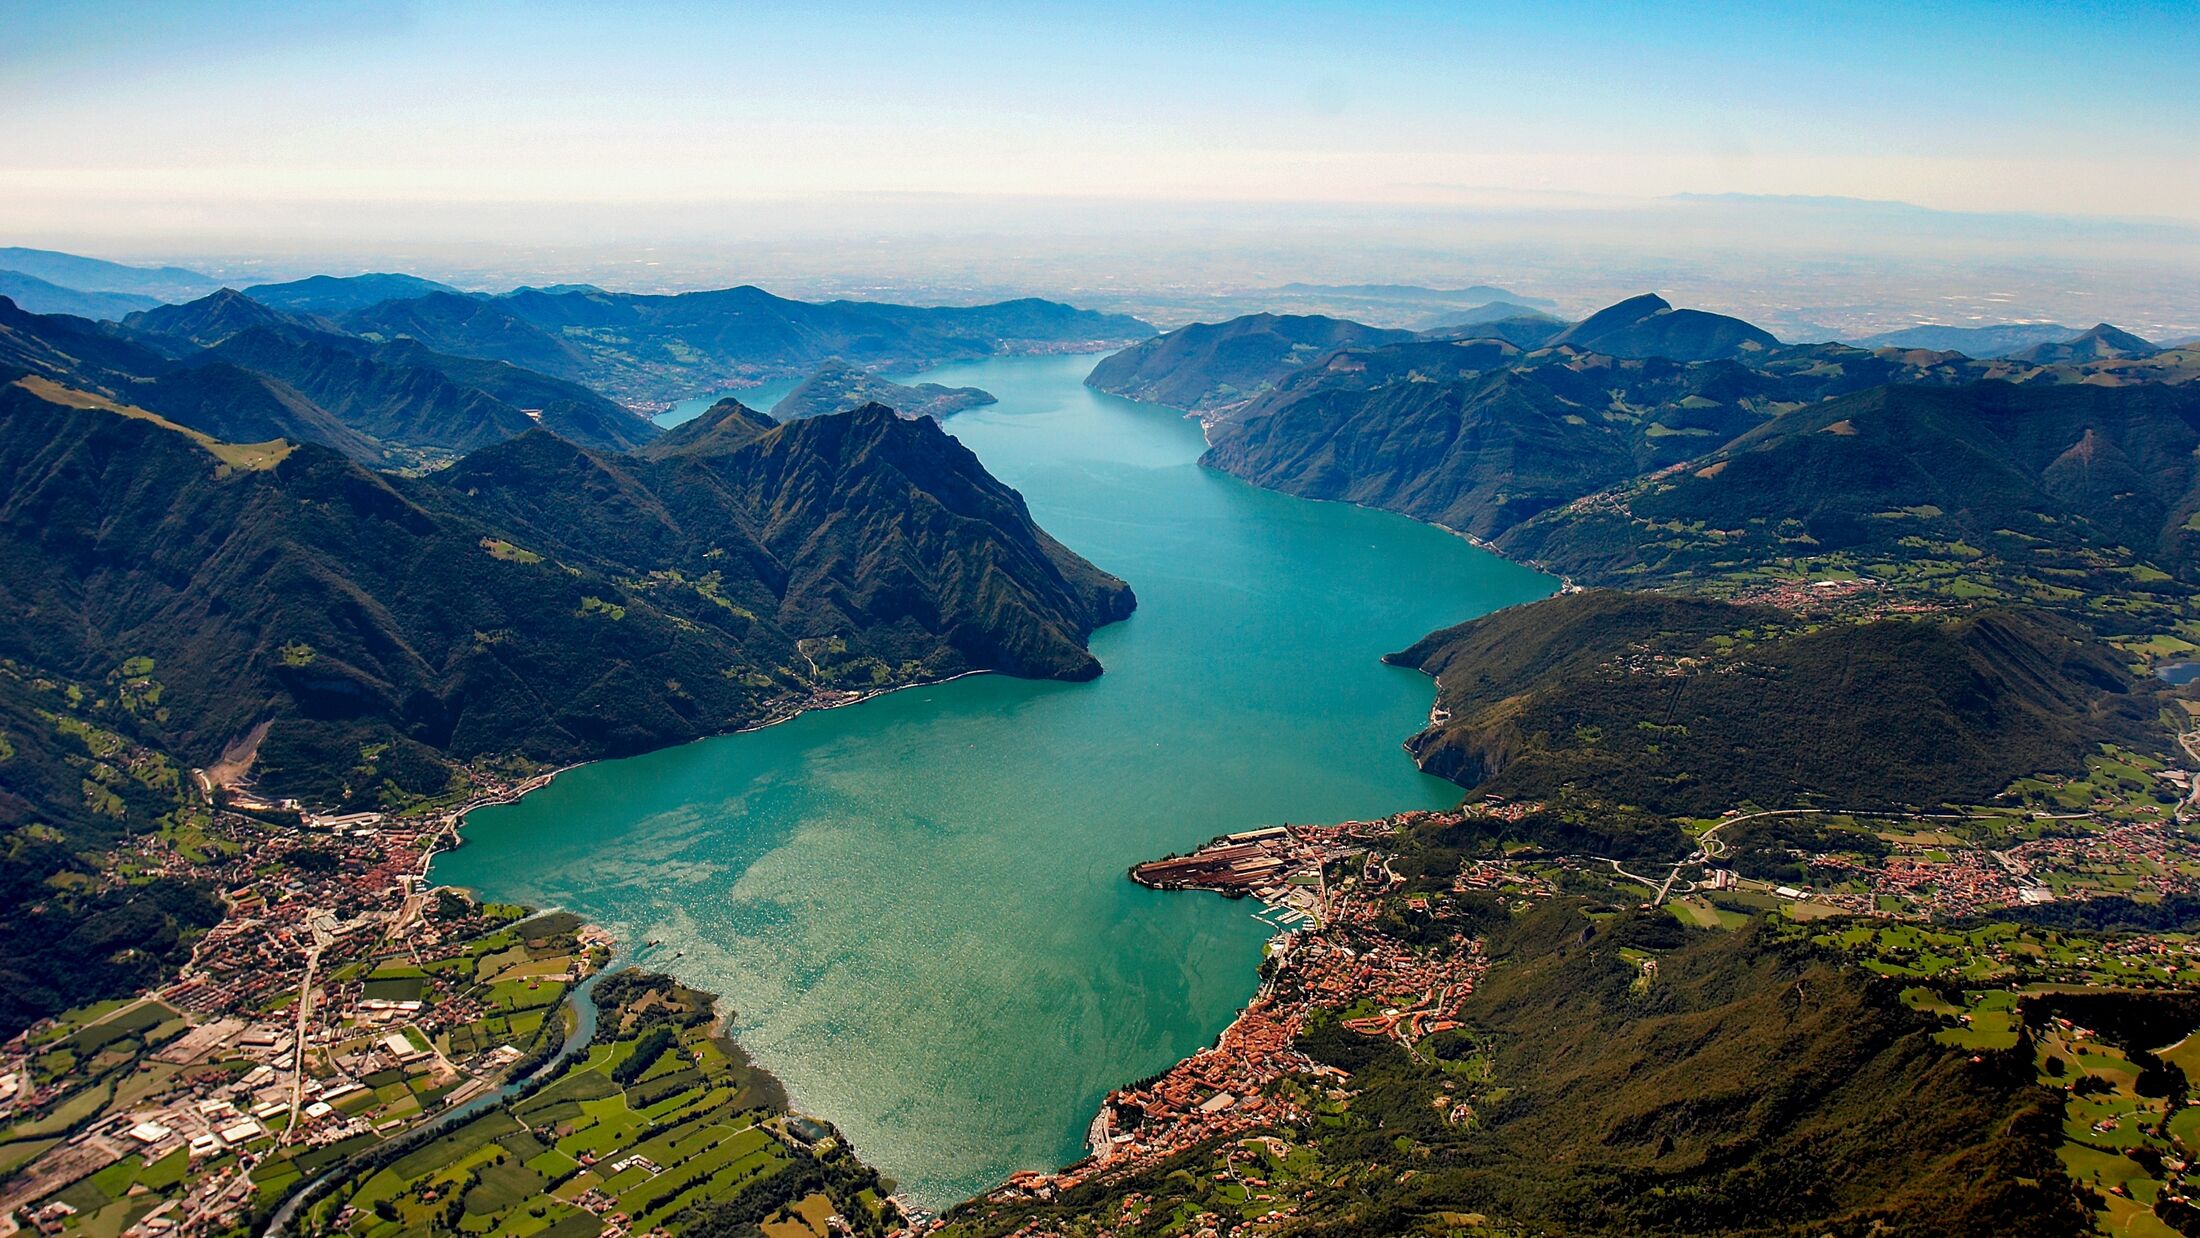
point(341, 1009)
point(343, 1003)
point(340, 1000)
point(1895, 903)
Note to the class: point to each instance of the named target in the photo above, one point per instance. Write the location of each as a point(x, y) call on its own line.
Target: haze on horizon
point(842, 147)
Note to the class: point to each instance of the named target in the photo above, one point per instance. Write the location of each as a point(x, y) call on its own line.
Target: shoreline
point(723, 1010)
point(536, 782)
point(1208, 422)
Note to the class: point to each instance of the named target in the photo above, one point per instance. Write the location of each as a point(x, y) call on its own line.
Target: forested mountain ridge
point(650, 348)
point(2056, 494)
point(1550, 699)
point(388, 626)
point(240, 371)
point(1612, 1073)
point(838, 386)
point(1210, 366)
point(1635, 470)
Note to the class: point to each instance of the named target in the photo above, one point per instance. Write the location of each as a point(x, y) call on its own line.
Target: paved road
point(298, 1047)
point(1712, 847)
point(583, 1006)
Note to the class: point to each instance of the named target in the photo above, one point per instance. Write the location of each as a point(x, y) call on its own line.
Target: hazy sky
point(169, 116)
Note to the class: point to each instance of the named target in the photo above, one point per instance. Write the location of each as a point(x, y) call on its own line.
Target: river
point(917, 906)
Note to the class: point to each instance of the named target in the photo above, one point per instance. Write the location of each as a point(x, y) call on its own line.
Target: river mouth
point(916, 907)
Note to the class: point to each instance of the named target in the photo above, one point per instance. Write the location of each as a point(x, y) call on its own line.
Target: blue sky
point(127, 111)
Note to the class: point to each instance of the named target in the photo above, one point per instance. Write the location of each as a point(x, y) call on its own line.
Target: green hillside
point(2074, 496)
point(1687, 706)
point(535, 599)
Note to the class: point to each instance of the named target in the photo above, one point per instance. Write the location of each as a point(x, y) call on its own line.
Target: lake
point(916, 907)
point(761, 397)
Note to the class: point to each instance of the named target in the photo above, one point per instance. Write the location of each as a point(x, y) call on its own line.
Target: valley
point(1937, 805)
point(1354, 620)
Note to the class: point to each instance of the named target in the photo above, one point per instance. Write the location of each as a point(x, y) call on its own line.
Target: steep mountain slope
point(837, 387)
point(1652, 700)
point(723, 427)
point(1762, 1088)
point(215, 317)
point(534, 599)
point(334, 295)
point(1477, 456)
point(402, 405)
point(2094, 484)
point(237, 405)
point(1478, 435)
point(276, 375)
point(571, 411)
point(71, 763)
point(1649, 326)
point(76, 351)
point(464, 326)
point(40, 297)
point(1207, 367)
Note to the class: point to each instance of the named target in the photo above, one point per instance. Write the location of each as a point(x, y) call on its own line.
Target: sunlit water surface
point(917, 906)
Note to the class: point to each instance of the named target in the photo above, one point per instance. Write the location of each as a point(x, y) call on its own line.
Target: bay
point(917, 907)
point(761, 397)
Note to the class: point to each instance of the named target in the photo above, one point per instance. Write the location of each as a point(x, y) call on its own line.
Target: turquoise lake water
point(917, 908)
point(761, 397)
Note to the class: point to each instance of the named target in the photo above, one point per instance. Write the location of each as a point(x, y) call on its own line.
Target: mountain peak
point(1649, 326)
point(838, 386)
point(2102, 342)
point(725, 426)
point(210, 320)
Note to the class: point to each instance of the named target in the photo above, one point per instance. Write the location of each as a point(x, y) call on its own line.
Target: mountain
point(1649, 326)
point(2051, 492)
point(1500, 311)
point(1208, 367)
point(1672, 703)
point(409, 407)
point(1479, 434)
point(1998, 340)
point(73, 350)
point(275, 375)
point(657, 349)
point(41, 297)
point(334, 295)
point(1528, 331)
point(1494, 438)
point(1742, 1084)
point(98, 275)
point(571, 411)
point(1478, 455)
point(2102, 343)
point(237, 405)
point(464, 326)
point(723, 427)
point(837, 387)
point(215, 317)
point(535, 599)
point(1216, 369)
